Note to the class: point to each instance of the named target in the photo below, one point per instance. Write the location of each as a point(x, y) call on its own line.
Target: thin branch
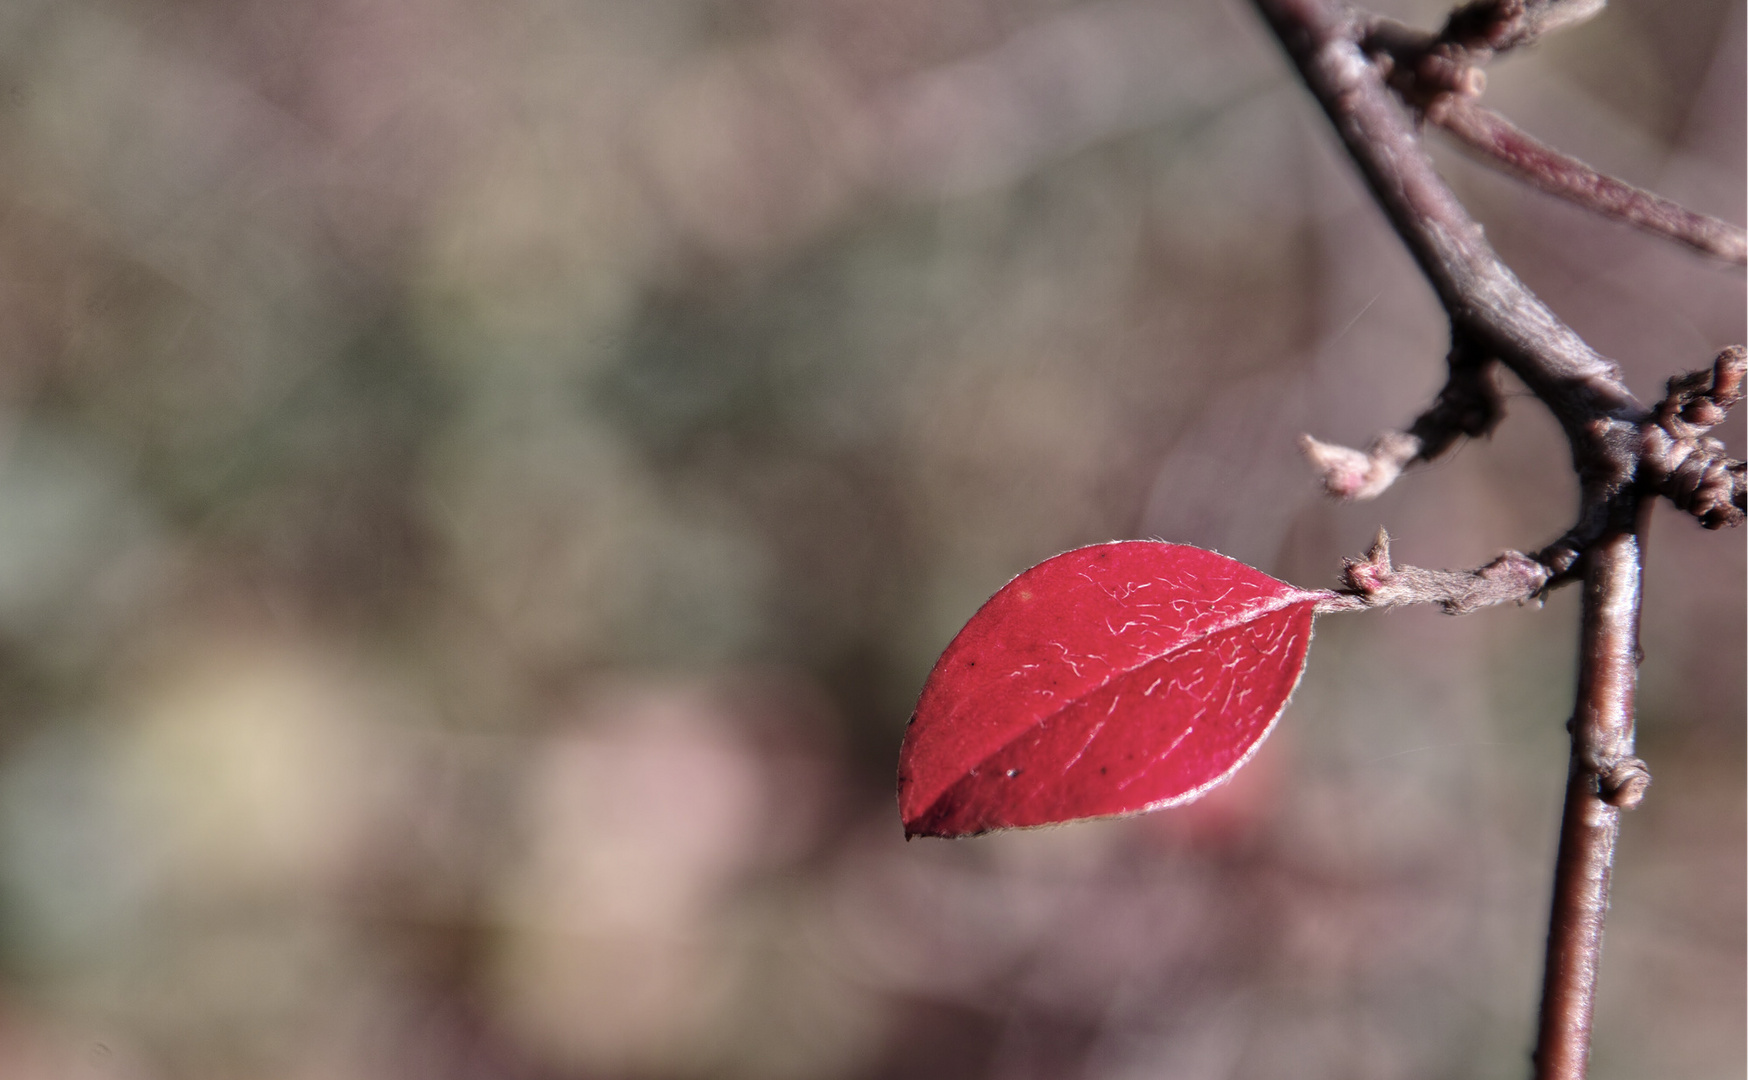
point(1500, 141)
point(1373, 581)
point(1489, 308)
point(1621, 450)
point(1492, 313)
point(1440, 74)
point(1469, 406)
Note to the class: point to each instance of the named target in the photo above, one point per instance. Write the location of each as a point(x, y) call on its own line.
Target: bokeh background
point(483, 481)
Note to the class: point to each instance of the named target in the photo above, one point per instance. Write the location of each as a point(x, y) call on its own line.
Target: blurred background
point(482, 484)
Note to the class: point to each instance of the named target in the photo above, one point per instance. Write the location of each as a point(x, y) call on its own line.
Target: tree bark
point(1602, 753)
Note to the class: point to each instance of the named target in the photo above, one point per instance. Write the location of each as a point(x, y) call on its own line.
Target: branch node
point(1468, 406)
point(1495, 26)
point(1699, 401)
point(1623, 784)
point(1373, 576)
point(1440, 75)
point(1681, 461)
point(1431, 70)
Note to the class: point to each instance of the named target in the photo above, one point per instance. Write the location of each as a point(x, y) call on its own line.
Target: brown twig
point(1603, 777)
point(1440, 74)
point(1500, 141)
point(1489, 307)
point(1469, 406)
point(1621, 451)
point(1373, 581)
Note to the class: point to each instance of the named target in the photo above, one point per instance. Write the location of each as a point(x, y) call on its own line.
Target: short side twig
point(1373, 581)
point(1440, 74)
point(1469, 406)
point(1500, 141)
point(1491, 311)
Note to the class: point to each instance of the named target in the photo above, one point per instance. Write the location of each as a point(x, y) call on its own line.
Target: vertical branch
point(1603, 777)
point(1622, 452)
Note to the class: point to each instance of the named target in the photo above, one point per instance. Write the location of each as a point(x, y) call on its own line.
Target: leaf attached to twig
point(1108, 680)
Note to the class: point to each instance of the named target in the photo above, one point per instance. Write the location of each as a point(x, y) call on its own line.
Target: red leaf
point(1109, 680)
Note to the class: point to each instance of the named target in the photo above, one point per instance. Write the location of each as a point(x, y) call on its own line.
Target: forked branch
point(1439, 76)
point(1375, 80)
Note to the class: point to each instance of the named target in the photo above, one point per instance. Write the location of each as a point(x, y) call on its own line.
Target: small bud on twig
point(1681, 461)
point(1624, 784)
point(1354, 474)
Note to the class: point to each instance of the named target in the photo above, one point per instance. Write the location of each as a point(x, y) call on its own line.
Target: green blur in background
point(482, 483)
